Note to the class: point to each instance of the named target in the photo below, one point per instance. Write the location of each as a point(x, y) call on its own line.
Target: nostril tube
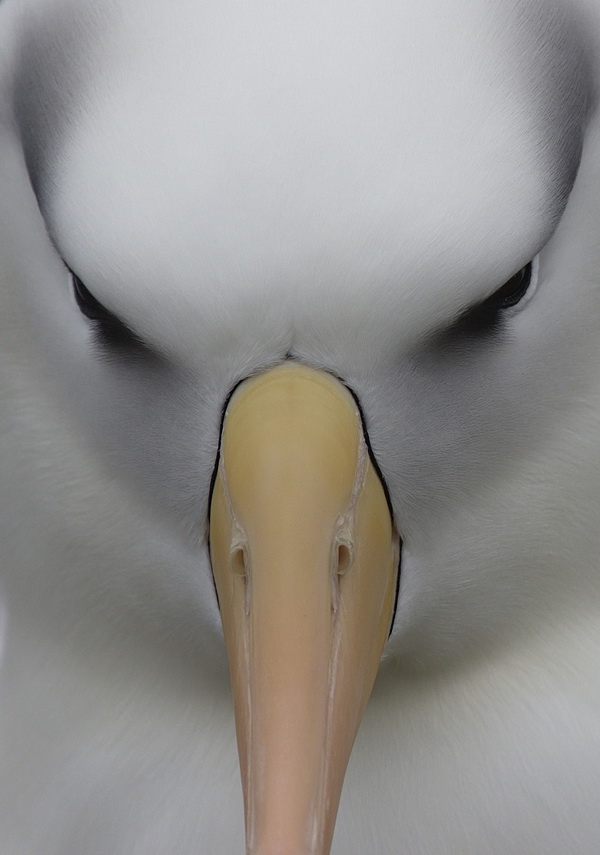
point(342, 558)
point(345, 558)
point(238, 561)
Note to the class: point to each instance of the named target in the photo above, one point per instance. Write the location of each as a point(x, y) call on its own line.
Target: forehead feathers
point(217, 152)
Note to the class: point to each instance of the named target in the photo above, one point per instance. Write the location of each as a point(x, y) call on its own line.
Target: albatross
point(299, 420)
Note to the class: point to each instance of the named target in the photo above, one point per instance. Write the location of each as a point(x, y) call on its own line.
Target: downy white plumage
point(347, 185)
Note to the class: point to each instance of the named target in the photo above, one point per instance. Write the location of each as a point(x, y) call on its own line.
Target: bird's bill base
point(305, 559)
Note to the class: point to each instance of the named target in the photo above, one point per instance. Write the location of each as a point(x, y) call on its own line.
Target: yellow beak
point(305, 559)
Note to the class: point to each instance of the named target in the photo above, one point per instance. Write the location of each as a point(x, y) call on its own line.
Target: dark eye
point(110, 331)
point(89, 305)
point(512, 292)
point(486, 318)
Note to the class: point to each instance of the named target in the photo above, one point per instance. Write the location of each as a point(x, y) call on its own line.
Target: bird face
point(366, 205)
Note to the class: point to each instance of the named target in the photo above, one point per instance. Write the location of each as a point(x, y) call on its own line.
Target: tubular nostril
point(344, 558)
point(238, 562)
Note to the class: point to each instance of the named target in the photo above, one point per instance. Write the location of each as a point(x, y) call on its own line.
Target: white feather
point(338, 182)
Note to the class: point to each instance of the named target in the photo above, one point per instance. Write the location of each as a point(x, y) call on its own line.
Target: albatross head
point(318, 292)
